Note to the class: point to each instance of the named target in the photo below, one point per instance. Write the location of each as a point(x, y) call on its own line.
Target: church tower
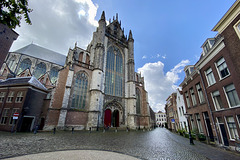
point(96, 90)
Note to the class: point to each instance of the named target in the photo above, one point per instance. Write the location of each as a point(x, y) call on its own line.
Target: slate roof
point(23, 81)
point(43, 53)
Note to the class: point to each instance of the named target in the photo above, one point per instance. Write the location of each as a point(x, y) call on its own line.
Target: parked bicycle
point(237, 144)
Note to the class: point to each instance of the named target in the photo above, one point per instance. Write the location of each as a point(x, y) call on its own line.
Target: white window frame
point(200, 93)
point(187, 99)
point(209, 73)
point(2, 96)
point(217, 67)
point(19, 97)
point(199, 124)
point(213, 99)
point(6, 115)
point(10, 97)
point(237, 28)
point(235, 133)
point(229, 104)
point(193, 97)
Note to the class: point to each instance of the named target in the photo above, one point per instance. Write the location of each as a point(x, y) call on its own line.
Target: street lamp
point(190, 136)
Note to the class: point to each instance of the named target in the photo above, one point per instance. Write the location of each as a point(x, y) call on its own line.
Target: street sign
point(15, 115)
point(173, 120)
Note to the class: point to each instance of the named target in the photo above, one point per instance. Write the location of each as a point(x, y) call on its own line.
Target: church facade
point(98, 87)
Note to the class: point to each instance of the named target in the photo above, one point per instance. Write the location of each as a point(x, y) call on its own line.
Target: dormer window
point(187, 72)
point(206, 47)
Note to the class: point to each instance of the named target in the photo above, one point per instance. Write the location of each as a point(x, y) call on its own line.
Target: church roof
point(23, 81)
point(42, 53)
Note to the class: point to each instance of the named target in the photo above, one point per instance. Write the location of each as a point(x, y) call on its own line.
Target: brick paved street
point(156, 144)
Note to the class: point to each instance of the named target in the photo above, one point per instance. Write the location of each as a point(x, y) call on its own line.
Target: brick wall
point(7, 36)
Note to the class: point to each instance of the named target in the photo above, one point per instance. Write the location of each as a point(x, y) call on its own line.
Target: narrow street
point(157, 144)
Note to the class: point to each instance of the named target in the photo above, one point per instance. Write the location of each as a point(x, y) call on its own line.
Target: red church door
point(107, 118)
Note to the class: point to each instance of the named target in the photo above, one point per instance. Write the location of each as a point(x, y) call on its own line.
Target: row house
point(160, 119)
point(171, 112)
point(181, 110)
point(211, 87)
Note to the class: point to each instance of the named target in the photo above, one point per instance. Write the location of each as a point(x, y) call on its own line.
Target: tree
point(12, 11)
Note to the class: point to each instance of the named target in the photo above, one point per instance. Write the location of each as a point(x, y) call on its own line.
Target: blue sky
point(168, 34)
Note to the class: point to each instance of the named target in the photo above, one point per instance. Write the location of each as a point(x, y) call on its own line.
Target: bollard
point(72, 130)
point(54, 130)
point(116, 129)
point(90, 129)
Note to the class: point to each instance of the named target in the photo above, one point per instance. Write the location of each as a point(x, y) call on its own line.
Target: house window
point(10, 97)
point(232, 128)
point(187, 99)
point(5, 116)
point(217, 100)
point(206, 47)
point(80, 91)
point(2, 96)
point(193, 97)
point(19, 97)
point(210, 77)
point(232, 95)
point(11, 118)
point(199, 124)
point(222, 68)
point(200, 93)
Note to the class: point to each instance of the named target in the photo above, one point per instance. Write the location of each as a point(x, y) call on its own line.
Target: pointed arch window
point(25, 64)
point(53, 74)
point(114, 72)
point(11, 63)
point(138, 101)
point(80, 91)
point(40, 70)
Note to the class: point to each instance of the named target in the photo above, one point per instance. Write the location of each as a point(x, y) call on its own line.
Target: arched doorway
point(107, 117)
point(116, 118)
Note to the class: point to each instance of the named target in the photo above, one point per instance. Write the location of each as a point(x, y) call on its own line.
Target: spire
point(130, 35)
point(103, 16)
point(116, 16)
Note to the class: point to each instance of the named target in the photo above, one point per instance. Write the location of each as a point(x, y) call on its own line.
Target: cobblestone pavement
point(157, 144)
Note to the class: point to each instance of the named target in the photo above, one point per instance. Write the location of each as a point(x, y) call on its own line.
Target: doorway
point(209, 128)
point(107, 118)
point(116, 118)
point(27, 124)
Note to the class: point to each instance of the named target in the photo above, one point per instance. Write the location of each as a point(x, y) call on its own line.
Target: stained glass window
point(26, 63)
point(53, 74)
point(114, 72)
point(138, 101)
point(40, 70)
point(80, 91)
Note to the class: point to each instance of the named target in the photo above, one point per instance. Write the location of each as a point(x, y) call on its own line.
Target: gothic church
point(96, 87)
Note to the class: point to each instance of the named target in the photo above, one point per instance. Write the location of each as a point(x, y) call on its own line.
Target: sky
point(168, 35)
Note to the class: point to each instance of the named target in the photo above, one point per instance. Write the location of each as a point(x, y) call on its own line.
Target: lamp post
point(190, 136)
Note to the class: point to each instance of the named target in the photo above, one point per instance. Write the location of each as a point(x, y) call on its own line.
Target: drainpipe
point(214, 125)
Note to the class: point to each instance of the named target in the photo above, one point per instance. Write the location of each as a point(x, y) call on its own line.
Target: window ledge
point(221, 79)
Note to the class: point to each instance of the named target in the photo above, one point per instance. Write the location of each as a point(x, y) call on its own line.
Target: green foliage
point(201, 137)
point(12, 11)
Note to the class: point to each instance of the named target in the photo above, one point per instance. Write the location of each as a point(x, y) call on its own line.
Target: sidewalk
point(75, 155)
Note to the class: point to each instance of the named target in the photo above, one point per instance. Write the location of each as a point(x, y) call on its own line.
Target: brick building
point(215, 78)
point(7, 36)
point(25, 96)
point(172, 113)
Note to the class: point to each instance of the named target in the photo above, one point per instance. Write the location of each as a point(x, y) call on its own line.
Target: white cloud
point(164, 57)
point(159, 85)
point(58, 24)
point(144, 57)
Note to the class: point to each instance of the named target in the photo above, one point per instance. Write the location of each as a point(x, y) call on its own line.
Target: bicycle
point(237, 144)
